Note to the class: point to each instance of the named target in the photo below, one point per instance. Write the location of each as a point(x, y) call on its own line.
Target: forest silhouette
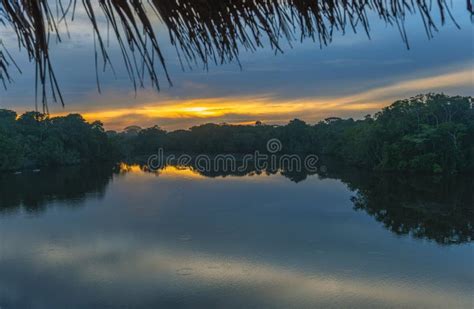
point(432, 134)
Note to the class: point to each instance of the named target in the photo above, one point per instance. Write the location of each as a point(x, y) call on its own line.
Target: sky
point(352, 77)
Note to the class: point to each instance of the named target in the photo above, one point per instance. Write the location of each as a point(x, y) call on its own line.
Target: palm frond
point(203, 31)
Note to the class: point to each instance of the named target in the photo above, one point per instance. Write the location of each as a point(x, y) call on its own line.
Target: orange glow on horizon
point(183, 113)
point(211, 109)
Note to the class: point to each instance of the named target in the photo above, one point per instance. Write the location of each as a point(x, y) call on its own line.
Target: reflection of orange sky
point(180, 172)
point(130, 168)
point(186, 172)
point(168, 171)
point(174, 113)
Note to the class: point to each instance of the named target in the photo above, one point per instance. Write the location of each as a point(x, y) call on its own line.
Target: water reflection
point(34, 191)
point(433, 208)
point(179, 238)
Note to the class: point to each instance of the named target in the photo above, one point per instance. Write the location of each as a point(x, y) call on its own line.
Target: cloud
point(462, 78)
point(176, 113)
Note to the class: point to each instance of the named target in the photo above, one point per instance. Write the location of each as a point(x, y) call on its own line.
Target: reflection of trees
point(33, 191)
point(434, 208)
point(441, 211)
point(202, 31)
point(214, 170)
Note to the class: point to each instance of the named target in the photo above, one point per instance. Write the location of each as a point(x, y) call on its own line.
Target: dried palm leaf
point(203, 31)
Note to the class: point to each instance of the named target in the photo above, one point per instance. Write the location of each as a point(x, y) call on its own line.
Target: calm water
point(98, 237)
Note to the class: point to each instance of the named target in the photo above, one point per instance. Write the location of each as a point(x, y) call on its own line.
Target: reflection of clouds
point(114, 253)
point(123, 263)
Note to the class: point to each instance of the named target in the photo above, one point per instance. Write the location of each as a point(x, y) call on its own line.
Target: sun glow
point(214, 109)
point(183, 113)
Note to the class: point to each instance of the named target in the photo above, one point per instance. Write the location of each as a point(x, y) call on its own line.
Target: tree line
point(35, 140)
point(432, 133)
